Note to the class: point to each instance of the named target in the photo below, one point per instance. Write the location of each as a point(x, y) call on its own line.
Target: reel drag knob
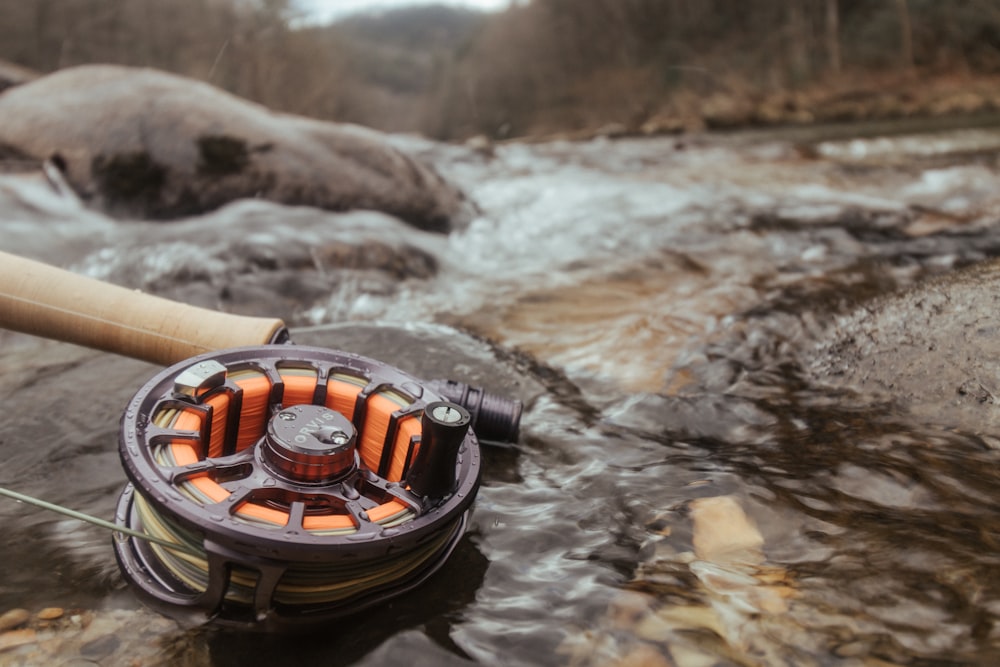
point(310, 444)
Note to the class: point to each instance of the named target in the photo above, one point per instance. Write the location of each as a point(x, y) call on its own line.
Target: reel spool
point(298, 484)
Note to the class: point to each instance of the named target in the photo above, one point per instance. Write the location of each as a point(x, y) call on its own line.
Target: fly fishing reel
point(282, 486)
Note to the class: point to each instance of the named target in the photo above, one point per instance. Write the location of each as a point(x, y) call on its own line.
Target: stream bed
point(686, 490)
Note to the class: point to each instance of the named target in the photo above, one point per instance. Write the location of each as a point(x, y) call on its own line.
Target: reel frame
point(247, 563)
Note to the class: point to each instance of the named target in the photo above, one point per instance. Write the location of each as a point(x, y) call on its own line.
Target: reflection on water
point(684, 491)
point(607, 326)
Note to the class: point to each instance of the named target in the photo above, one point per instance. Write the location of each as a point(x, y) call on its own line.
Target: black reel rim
point(162, 591)
point(231, 541)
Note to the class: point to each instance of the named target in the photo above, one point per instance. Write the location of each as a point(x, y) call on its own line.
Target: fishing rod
point(271, 486)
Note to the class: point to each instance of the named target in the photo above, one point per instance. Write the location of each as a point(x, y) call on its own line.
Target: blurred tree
point(905, 34)
point(538, 65)
point(833, 35)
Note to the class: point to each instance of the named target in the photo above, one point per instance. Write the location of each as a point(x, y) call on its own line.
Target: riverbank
point(919, 99)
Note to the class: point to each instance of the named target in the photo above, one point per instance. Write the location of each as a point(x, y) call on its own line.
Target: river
point(684, 490)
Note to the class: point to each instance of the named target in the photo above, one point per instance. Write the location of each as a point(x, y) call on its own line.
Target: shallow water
point(684, 492)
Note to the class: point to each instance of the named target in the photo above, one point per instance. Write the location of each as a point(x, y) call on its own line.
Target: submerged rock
point(144, 143)
point(13, 618)
point(933, 349)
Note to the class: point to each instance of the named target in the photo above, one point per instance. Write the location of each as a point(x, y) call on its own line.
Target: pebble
point(70, 637)
point(723, 533)
point(50, 614)
point(13, 618)
point(14, 638)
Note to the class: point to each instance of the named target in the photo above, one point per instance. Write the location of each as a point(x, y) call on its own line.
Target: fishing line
point(81, 516)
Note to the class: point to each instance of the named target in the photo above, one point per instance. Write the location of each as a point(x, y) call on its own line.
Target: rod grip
point(42, 300)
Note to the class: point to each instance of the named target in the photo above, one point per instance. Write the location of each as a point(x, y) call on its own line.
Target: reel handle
point(45, 301)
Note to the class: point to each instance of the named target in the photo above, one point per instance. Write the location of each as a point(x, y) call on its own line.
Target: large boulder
point(933, 349)
point(12, 74)
point(144, 143)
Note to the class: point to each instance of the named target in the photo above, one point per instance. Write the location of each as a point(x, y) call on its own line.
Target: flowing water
point(684, 491)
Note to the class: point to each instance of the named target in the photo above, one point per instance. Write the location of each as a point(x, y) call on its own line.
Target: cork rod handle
point(45, 301)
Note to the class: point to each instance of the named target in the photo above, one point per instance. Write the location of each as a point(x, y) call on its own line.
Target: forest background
point(547, 67)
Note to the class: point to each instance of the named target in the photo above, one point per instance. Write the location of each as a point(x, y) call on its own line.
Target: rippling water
point(684, 491)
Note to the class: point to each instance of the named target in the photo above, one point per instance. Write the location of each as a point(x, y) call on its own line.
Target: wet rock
point(13, 160)
point(723, 531)
point(50, 614)
point(481, 145)
point(14, 618)
point(124, 637)
point(668, 123)
point(400, 263)
point(143, 143)
point(422, 652)
point(431, 353)
point(259, 258)
point(709, 417)
point(932, 349)
point(100, 647)
point(612, 131)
